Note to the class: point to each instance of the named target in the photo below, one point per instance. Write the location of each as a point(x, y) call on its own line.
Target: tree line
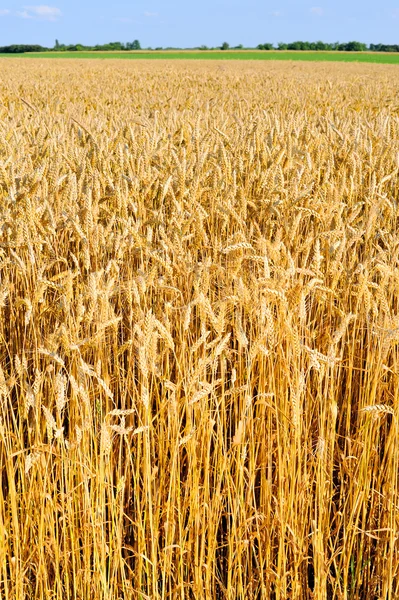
point(112, 46)
point(135, 45)
point(336, 46)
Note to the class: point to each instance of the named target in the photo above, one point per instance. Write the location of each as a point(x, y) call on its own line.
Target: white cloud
point(151, 14)
point(23, 14)
point(317, 10)
point(123, 20)
point(395, 13)
point(4, 12)
point(41, 12)
point(276, 13)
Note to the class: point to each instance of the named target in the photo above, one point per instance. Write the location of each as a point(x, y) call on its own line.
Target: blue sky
point(185, 23)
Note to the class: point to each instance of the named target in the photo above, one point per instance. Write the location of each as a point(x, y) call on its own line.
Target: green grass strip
point(366, 57)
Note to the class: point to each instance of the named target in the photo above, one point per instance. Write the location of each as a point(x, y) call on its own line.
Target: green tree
point(133, 45)
point(225, 46)
point(353, 47)
point(356, 46)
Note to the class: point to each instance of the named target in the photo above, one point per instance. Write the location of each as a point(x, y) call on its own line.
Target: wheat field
point(199, 327)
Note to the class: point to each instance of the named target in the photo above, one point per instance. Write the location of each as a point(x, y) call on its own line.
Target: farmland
point(199, 330)
point(362, 57)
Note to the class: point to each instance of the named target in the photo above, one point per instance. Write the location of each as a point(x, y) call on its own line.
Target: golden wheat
point(199, 271)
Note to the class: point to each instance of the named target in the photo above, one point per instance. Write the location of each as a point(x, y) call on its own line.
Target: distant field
point(372, 57)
